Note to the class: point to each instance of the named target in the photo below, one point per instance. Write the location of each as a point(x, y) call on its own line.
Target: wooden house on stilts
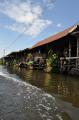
point(65, 44)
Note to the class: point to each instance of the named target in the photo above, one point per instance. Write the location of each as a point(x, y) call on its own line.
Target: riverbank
point(51, 64)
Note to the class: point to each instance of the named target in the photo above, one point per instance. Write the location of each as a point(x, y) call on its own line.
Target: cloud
point(59, 25)
point(25, 15)
point(49, 3)
point(33, 30)
point(41, 24)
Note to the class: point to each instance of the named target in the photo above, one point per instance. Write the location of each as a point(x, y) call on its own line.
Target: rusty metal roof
point(56, 36)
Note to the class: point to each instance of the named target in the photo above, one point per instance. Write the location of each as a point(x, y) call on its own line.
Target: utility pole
point(3, 56)
point(4, 53)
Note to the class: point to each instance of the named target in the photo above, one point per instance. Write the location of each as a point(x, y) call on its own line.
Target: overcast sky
point(34, 20)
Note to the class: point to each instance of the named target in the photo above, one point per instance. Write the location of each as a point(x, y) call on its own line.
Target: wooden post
point(69, 53)
point(69, 48)
point(77, 46)
point(77, 61)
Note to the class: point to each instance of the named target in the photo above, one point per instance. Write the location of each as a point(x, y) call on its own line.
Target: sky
point(25, 22)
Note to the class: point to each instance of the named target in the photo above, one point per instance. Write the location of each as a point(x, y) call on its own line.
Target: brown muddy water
point(35, 95)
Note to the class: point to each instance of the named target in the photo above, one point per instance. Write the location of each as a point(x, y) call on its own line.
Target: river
point(35, 95)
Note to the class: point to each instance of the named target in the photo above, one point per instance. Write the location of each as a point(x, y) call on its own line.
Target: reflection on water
point(22, 101)
point(67, 88)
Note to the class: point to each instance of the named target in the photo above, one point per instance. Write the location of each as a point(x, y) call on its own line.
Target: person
point(63, 65)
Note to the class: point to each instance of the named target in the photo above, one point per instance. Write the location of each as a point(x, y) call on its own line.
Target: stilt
point(77, 61)
point(69, 48)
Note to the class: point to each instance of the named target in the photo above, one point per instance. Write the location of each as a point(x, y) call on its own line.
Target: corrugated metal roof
point(55, 37)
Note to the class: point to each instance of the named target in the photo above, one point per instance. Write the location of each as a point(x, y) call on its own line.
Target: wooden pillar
point(77, 46)
point(69, 48)
point(77, 61)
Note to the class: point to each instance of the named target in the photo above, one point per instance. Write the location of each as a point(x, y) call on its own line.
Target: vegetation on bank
point(2, 62)
point(36, 61)
point(52, 62)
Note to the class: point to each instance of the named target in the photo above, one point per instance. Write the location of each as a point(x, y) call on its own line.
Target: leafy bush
point(52, 61)
point(29, 55)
